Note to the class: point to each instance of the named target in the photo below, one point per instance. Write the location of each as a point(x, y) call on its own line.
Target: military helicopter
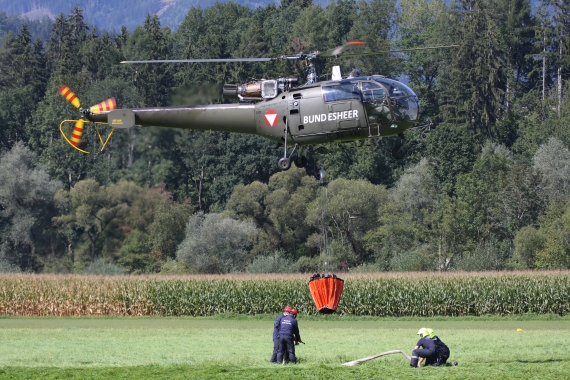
point(316, 112)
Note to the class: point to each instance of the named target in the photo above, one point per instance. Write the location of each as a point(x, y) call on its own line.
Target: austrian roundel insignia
point(271, 118)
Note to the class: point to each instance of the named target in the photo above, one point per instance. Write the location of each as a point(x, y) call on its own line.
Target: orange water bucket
point(326, 292)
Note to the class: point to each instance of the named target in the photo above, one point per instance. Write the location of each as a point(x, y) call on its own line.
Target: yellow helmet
point(430, 332)
point(423, 332)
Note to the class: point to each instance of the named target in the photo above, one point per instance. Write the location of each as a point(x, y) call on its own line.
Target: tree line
point(484, 186)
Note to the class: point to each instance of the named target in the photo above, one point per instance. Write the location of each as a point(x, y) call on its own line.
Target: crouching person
point(441, 349)
point(425, 350)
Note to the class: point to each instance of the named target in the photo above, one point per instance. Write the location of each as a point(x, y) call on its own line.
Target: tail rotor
point(69, 96)
point(78, 125)
point(107, 105)
point(77, 133)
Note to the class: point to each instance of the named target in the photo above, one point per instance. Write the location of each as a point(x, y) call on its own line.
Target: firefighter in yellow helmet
point(424, 349)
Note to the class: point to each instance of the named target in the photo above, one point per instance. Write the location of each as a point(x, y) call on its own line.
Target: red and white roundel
point(271, 118)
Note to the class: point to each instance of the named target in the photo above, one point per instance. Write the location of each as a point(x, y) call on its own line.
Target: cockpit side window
point(343, 91)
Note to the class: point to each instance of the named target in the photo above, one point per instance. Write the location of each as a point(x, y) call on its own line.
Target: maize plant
point(383, 295)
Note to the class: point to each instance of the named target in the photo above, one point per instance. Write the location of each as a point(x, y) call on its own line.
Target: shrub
point(57, 265)
point(276, 263)
point(102, 266)
point(488, 255)
point(307, 264)
point(215, 244)
point(367, 268)
point(411, 261)
point(7, 267)
point(173, 267)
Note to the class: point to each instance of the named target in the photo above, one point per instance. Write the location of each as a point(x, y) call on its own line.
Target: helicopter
point(297, 116)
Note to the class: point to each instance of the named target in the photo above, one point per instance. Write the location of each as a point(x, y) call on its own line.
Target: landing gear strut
point(398, 152)
point(285, 162)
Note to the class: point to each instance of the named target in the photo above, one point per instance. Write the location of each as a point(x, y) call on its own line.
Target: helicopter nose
point(405, 109)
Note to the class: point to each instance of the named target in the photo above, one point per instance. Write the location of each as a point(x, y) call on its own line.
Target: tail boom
point(217, 117)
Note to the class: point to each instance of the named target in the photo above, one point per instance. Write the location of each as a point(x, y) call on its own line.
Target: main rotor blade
point(213, 60)
point(337, 51)
point(394, 51)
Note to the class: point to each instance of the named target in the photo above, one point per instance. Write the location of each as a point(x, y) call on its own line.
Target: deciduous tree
point(26, 208)
point(215, 244)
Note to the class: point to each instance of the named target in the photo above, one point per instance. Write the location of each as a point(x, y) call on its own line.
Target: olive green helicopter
point(340, 110)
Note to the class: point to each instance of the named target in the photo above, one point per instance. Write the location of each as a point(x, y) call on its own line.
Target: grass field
point(240, 347)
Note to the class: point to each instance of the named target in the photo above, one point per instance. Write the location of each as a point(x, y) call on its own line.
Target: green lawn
point(240, 348)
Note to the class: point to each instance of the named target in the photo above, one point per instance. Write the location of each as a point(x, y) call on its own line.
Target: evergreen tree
point(67, 35)
point(374, 22)
point(149, 42)
point(22, 62)
point(423, 24)
point(516, 27)
point(543, 70)
point(99, 57)
point(562, 28)
point(477, 82)
point(216, 32)
point(451, 152)
point(22, 80)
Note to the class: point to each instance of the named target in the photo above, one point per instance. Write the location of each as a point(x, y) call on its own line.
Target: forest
point(107, 15)
point(485, 187)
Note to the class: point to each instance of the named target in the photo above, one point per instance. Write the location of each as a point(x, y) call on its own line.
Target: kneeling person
point(427, 350)
point(441, 349)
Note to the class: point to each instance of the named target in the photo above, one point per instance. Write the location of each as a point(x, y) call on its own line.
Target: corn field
point(393, 295)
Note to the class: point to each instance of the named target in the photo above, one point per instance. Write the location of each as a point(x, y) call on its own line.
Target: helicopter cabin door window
point(376, 103)
point(341, 92)
point(344, 103)
point(373, 93)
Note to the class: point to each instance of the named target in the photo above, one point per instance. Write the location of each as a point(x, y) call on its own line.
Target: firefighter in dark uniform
point(427, 350)
point(288, 336)
point(441, 349)
point(276, 341)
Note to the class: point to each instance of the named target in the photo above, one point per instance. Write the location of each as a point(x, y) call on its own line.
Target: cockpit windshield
point(396, 89)
point(388, 100)
point(385, 100)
